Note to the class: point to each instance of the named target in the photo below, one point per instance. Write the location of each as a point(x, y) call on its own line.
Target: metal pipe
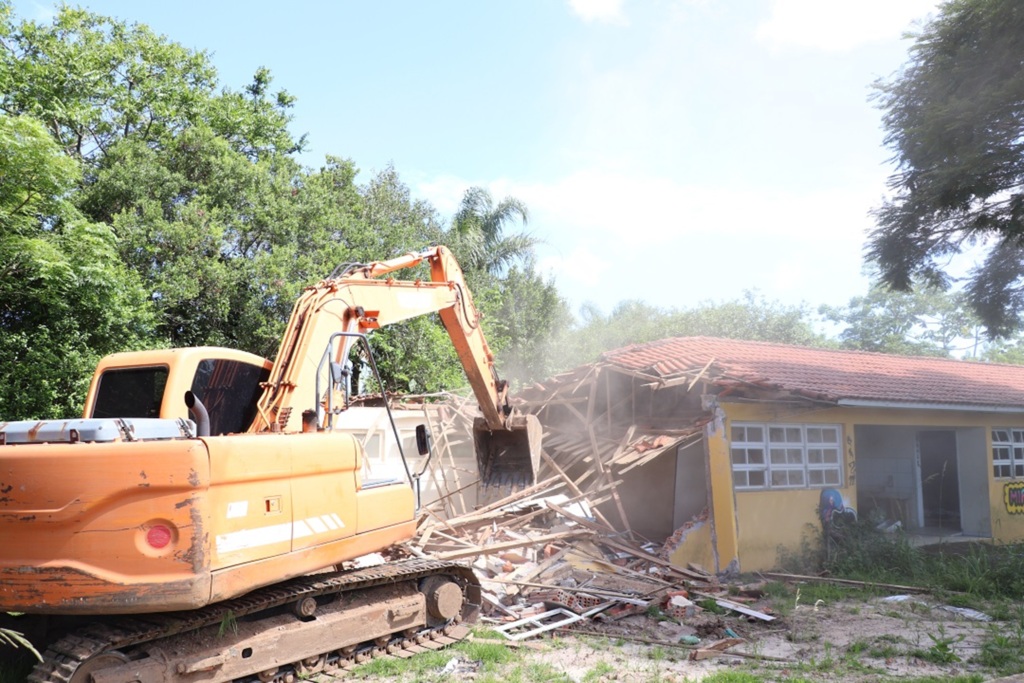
point(199, 410)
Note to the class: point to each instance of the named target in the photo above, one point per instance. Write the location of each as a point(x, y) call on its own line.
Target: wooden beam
point(511, 545)
point(845, 582)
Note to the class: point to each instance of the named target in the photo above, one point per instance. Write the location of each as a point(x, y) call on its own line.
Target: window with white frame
point(785, 456)
point(1007, 453)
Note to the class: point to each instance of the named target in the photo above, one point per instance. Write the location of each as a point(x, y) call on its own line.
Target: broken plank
point(570, 483)
point(715, 649)
point(737, 607)
point(644, 555)
point(582, 521)
point(499, 547)
point(614, 595)
point(845, 582)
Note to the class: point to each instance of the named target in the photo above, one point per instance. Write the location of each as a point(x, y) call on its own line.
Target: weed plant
point(1003, 649)
point(859, 551)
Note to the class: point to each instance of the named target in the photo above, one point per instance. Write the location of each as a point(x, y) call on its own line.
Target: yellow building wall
point(1006, 499)
point(752, 526)
point(696, 547)
point(724, 541)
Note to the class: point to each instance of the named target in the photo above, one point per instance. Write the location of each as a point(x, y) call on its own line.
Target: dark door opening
point(940, 480)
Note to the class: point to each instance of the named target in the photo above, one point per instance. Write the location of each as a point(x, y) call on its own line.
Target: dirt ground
point(894, 638)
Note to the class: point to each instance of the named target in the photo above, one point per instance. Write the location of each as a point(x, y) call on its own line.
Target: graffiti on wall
point(832, 505)
point(1013, 497)
point(835, 515)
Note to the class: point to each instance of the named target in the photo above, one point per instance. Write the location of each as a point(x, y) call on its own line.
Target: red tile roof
point(828, 374)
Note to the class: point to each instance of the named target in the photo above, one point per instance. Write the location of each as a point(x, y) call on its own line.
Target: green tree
point(634, 322)
point(65, 298)
point(923, 322)
point(524, 318)
point(141, 168)
point(477, 233)
point(96, 80)
point(1009, 351)
point(196, 180)
point(954, 119)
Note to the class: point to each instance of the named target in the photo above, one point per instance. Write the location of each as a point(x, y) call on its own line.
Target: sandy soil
point(846, 641)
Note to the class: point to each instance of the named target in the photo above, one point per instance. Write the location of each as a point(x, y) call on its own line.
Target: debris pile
point(549, 559)
point(546, 563)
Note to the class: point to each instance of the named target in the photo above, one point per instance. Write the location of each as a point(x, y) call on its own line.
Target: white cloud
point(597, 205)
point(608, 236)
point(601, 11)
point(444, 192)
point(580, 265)
point(659, 209)
point(839, 26)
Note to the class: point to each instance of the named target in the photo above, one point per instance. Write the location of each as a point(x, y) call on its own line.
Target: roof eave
point(906, 405)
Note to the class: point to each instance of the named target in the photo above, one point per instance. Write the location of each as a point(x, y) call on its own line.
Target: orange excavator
point(193, 524)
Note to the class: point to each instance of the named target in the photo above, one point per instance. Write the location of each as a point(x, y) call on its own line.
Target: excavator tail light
point(156, 538)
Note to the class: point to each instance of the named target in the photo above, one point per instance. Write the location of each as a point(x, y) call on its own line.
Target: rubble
point(561, 555)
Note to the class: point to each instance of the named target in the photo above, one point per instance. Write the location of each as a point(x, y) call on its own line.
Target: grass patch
point(420, 666)
point(788, 597)
point(941, 650)
point(963, 574)
point(963, 678)
point(598, 671)
point(1003, 648)
point(493, 658)
point(732, 677)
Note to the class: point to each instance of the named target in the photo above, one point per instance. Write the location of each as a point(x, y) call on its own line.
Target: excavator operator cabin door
point(939, 482)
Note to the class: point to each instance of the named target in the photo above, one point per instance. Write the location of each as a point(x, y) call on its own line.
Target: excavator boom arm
point(359, 301)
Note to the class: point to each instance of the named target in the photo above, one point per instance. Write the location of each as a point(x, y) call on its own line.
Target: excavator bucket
point(508, 457)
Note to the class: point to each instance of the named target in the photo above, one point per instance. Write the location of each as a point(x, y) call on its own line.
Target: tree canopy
point(635, 322)
point(954, 120)
point(65, 298)
point(921, 322)
point(145, 204)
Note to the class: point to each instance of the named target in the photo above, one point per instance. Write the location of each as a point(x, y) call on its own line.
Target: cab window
point(229, 389)
point(130, 392)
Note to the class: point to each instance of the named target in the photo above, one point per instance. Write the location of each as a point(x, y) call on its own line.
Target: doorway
point(939, 480)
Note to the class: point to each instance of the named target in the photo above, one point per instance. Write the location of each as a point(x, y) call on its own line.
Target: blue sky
point(671, 151)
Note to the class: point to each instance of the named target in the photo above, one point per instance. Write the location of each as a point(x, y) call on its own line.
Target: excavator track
point(315, 627)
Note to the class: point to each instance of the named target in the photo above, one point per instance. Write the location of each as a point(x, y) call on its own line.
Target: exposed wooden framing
point(456, 491)
point(511, 545)
point(607, 400)
point(700, 374)
point(454, 539)
point(553, 402)
point(626, 438)
point(446, 450)
point(571, 484)
point(601, 528)
point(545, 565)
point(607, 476)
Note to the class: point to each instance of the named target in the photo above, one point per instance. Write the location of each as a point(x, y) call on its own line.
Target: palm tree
point(477, 232)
